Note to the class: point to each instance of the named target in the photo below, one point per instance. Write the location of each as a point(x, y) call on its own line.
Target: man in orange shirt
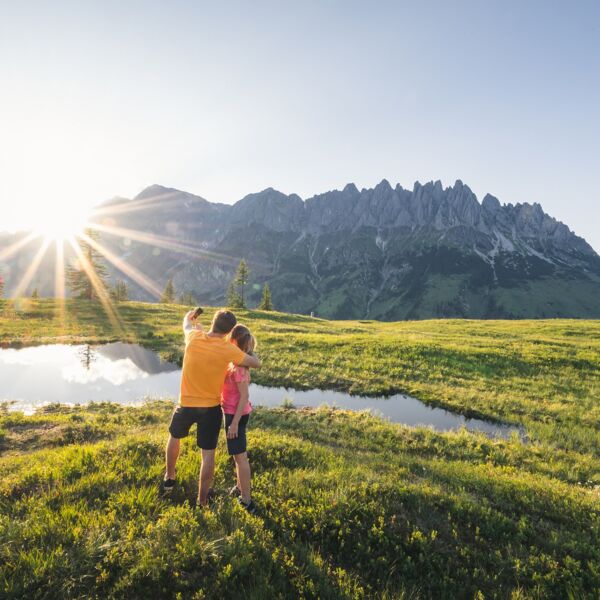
point(206, 358)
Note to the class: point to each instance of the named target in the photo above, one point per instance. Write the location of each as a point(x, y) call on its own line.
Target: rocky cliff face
point(386, 252)
point(387, 208)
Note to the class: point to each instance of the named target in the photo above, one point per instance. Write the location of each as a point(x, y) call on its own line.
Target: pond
point(130, 374)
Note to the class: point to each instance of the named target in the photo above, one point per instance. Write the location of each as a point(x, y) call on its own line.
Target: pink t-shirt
point(230, 395)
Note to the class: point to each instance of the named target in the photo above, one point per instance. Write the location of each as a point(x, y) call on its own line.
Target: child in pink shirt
point(235, 402)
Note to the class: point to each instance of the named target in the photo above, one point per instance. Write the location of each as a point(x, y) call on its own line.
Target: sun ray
point(142, 280)
point(152, 239)
point(31, 270)
point(59, 282)
point(98, 286)
point(13, 248)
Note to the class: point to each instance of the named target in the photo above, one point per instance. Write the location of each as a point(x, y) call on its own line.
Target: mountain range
point(383, 253)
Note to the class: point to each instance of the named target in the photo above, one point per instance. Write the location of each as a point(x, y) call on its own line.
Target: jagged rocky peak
point(382, 194)
point(428, 205)
point(466, 207)
point(271, 208)
point(268, 195)
point(383, 186)
point(490, 203)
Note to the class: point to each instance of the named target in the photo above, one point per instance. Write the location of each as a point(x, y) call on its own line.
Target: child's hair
point(244, 340)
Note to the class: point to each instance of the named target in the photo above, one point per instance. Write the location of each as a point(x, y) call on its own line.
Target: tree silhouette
point(120, 292)
point(240, 280)
point(233, 298)
point(266, 303)
point(168, 295)
point(87, 356)
point(35, 294)
point(78, 279)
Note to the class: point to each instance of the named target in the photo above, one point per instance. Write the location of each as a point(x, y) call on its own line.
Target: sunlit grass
point(350, 507)
point(544, 375)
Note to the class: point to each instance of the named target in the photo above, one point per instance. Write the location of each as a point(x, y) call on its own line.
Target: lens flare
point(59, 225)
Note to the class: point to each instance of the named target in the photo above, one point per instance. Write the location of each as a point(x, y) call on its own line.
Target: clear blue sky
point(221, 99)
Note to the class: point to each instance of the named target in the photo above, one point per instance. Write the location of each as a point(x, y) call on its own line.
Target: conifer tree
point(35, 294)
point(120, 293)
point(240, 281)
point(266, 303)
point(77, 277)
point(168, 296)
point(233, 298)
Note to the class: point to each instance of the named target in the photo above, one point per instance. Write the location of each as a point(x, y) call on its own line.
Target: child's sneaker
point(167, 487)
point(250, 507)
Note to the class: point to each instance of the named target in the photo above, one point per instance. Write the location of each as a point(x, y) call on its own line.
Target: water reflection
point(398, 408)
point(87, 356)
point(123, 373)
point(130, 374)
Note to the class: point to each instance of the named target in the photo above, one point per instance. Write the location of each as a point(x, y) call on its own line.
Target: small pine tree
point(79, 282)
point(1, 286)
point(265, 303)
point(233, 298)
point(120, 292)
point(168, 296)
point(240, 281)
point(35, 294)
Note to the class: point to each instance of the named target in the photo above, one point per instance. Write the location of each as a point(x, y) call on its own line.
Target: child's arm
point(232, 430)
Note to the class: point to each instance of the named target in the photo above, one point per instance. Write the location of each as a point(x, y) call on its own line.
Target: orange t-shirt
point(205, 363)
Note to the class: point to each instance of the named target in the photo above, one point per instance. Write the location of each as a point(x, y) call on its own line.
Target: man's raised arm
point(189, 323)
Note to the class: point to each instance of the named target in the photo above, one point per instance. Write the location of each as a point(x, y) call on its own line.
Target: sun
point(60, 226)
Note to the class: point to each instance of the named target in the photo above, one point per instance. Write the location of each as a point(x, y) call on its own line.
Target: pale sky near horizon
point(100, 99)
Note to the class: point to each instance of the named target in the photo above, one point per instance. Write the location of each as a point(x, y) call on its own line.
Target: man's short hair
point(223, 321)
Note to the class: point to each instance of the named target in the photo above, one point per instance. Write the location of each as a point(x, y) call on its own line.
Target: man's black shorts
point(237, 445)
point(208, 421)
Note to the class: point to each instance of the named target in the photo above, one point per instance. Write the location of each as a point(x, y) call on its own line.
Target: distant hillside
point(383, 253)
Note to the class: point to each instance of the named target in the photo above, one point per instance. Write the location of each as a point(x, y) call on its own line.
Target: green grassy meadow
point(350, 506)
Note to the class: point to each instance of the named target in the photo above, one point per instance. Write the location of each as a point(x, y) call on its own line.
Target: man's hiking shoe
point(235, 491)
point(167, 487)
point(210, 497)
point(250, 507)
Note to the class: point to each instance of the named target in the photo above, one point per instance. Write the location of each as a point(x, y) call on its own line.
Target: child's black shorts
point(208, 421)
point(237, 445)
